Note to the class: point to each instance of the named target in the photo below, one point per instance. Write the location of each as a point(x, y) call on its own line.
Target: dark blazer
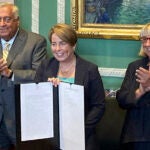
point(137, 122)
point(24, 58)
point(87, 75)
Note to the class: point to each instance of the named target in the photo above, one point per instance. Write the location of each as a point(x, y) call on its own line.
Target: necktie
point(6, 50)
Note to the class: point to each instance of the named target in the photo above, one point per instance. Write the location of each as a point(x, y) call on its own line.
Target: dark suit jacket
point(87, 75)
point(24, 58)
point(137, 122)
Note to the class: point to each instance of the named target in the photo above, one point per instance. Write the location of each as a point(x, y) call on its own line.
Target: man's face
point(8, 24)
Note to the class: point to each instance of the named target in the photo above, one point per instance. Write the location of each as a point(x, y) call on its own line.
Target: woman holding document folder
point(67, 66)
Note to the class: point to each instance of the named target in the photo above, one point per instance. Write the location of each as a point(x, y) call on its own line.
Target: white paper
point(71, 114)
point(36, 111)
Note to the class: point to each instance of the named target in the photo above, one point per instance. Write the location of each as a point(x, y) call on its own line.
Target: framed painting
point(11, 1)
point(109, 19)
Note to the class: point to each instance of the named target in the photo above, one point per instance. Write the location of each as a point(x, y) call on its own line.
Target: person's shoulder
point(51, 61)
point(32, 34)
point(36, 35)
point(138, 61)
point(48, 61)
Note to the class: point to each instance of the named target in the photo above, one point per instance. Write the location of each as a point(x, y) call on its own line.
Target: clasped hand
point(4, 70)
point(143, 77)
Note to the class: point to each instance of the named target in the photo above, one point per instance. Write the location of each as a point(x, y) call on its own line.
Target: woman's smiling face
point(61, 50)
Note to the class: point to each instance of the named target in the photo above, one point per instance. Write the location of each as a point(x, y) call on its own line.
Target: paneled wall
point(105, 53)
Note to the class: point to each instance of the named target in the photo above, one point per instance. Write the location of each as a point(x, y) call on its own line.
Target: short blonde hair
point(145, 32)
point(64, 32)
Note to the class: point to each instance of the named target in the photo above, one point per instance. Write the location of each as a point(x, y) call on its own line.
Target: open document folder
point(37, 121)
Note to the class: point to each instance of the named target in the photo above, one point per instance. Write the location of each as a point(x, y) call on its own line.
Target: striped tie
point(6, 50)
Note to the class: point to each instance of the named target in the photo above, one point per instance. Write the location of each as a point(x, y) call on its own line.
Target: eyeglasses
point(145, 39)
point(6, 19)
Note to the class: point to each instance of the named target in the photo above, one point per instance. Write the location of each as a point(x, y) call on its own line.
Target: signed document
point(36, 102)
point(71, 116)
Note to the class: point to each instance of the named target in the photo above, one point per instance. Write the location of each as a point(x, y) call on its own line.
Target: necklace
point(67, 70)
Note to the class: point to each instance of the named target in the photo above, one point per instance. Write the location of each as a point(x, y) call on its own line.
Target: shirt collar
point(11, 41)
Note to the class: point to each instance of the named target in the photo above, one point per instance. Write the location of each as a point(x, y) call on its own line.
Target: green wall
point(103, 52)
point(109, 53)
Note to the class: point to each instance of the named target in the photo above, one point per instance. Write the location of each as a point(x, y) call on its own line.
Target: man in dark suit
point(26, 50)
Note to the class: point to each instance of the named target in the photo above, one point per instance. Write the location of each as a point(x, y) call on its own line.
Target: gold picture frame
point(96, 30)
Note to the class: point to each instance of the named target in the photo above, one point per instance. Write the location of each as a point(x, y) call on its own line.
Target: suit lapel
point(53, 70)
point(80, 73)
point(1, 54)
point(16, 47)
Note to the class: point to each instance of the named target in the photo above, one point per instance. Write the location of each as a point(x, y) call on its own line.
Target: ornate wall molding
point(60, 11)
point(35, 16)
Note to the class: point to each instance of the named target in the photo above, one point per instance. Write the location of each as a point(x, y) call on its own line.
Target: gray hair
point(15, 9)
point(145, 31)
